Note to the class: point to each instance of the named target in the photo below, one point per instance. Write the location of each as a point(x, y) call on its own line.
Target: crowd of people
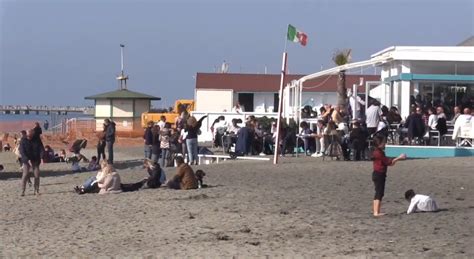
point(163, 143)
point(353, 135)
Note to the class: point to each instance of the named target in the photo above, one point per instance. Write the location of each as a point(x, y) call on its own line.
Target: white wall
point(206, 134)
point(263, 102)
point(102, 108)
point(214, 100)
point(141, 106)
point(122, 108)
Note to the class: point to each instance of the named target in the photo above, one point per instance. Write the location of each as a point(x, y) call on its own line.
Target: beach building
point(434, 73)
point(123, 106)
point(441, 75)
point(219, 92)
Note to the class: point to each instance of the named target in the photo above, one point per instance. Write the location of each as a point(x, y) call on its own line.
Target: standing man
point(110, 139)
point(355, 103)
point(373, 114)
point(46, 125)
point(162, 122)
point(148, 139)
point(30, 151)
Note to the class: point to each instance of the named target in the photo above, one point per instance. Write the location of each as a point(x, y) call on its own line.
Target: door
point(246, 101)
point(276, 102)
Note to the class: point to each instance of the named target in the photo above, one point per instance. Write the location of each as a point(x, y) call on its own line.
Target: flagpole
point(280, 104)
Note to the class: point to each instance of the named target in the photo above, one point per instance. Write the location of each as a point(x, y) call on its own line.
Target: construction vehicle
point(179, 107)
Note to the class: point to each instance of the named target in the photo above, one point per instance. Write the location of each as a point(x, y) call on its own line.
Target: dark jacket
point(29, 150)
point(110, 132)
point(37, 137)
point(358, 138)
point(154, 177)
point(193, 131)
point(148, 136)
point(415, 125)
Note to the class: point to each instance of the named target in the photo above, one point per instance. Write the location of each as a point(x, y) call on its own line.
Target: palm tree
point(342, 57)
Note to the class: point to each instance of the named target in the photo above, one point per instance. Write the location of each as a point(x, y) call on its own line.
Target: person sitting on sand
point(91, 183)
point(74, 160)
point(109, 181)
point(7, 147)
point(420, 202)
point(185, 178)
point(157, 176)
point(93, 164)
point(48, 155)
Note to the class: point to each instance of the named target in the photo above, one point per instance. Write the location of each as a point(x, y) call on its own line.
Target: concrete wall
point(102, 108)
point(220, 100)
point(141, 106)
point(121, 124)
point(122, 108)
point(213, 100)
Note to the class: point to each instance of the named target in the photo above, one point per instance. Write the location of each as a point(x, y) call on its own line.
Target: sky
point(56, 52)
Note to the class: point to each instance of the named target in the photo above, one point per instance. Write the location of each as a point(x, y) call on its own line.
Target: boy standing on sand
point(381, 162)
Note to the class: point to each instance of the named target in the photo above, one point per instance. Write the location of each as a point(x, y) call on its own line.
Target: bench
point(225, 157)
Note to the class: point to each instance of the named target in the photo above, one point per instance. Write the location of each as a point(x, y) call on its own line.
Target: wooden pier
point(30, 109)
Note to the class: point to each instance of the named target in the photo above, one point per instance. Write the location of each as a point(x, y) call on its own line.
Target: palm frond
point(342, 57)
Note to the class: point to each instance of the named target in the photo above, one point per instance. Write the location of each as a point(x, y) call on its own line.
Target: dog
point(200, 176)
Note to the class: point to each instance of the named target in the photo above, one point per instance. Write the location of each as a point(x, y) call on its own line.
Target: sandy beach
point(302, 207)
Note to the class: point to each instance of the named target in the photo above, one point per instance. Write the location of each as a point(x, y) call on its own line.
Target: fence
point(75, 128)
point(206, 134)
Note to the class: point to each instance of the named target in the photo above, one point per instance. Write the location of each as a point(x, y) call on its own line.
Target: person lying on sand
point(185, 178)
point(420, 202)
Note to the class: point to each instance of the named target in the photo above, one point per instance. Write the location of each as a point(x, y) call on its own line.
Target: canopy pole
point(280, 104)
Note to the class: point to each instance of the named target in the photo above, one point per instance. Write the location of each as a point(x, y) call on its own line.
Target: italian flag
point(296, 36)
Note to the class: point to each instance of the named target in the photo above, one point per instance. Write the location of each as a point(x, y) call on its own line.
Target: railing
point(44, 108)
point(206, 134)
point(75, 126)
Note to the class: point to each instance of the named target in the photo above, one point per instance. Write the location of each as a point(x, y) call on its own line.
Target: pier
point(43, 109)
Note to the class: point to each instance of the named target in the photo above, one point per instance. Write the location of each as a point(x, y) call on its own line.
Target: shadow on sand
point(118, 165)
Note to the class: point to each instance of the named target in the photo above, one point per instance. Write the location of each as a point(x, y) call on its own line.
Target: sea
point(18, 122)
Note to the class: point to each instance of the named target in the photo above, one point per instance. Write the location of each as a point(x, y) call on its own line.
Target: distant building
point(218, 92)
point(123, 106)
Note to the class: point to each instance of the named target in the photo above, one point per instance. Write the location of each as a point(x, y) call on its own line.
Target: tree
point(342, 57)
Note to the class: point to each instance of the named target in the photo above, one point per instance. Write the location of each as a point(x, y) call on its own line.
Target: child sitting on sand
point(93, 165)
point(380, 163)
point(420, 202)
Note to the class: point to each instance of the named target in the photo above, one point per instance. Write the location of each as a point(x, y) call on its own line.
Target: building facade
point(437, 74)
point(219, 92)
point(123, 106)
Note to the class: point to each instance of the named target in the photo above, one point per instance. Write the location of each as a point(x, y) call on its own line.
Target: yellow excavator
point(179, 107)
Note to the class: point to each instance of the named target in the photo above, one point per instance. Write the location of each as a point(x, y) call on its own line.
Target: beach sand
point(302, 207)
